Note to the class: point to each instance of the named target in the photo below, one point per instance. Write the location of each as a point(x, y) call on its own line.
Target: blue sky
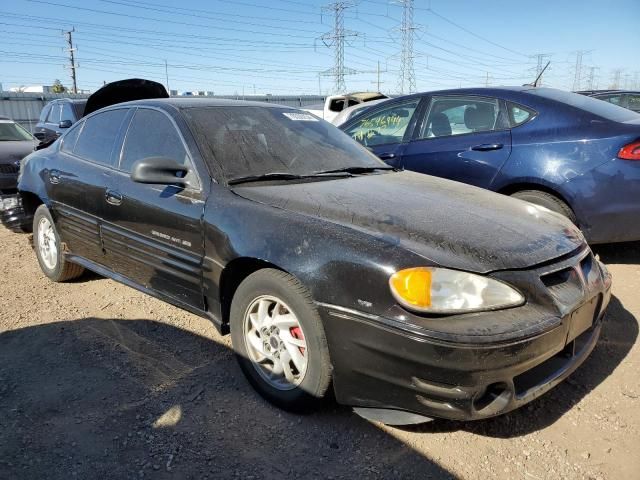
point(274, 46)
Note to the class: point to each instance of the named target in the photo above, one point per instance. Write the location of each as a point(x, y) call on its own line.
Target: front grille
point(8, 168)
point(568, 285)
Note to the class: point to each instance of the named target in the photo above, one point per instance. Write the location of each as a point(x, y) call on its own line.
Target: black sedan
point(410, 296)
point(15, 144)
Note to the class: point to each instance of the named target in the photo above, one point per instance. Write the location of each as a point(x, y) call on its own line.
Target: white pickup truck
point(334, 104)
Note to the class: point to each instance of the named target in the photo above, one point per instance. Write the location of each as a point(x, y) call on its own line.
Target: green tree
point(58, 87)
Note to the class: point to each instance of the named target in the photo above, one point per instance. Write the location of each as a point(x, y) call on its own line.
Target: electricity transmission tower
point(541, 62)
point(591, 79)
point(617, 73)
point(336, 39)
point(72, 60)
point(577, 73)
point(407, 78)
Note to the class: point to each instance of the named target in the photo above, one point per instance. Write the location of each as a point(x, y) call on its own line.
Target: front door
point(384, 130)
point(463, 138)
point(153, 234)
point(77, 181)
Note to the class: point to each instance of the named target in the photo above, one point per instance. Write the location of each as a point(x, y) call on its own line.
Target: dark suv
point(57, 116)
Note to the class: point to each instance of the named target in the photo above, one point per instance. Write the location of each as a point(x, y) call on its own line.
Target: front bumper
point(379, 366)
point(12, 213)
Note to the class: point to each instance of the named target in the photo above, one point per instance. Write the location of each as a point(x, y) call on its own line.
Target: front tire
point(279, 340)
point(48, 247)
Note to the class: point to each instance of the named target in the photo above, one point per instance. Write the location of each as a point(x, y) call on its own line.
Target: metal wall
point(25, 108)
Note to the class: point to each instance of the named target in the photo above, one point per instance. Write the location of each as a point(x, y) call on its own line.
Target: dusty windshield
point(240, 141)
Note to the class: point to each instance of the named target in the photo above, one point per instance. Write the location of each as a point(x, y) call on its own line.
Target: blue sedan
point(572, 154)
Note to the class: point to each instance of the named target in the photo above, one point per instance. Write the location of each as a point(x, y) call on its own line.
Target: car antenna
point(535, 82)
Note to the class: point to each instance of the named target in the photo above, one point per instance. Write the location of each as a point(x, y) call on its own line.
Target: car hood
point(124, 91)
point(450, 223)
point(11, 152)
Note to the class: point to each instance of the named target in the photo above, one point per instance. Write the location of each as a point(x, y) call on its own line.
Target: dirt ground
point(100, 381)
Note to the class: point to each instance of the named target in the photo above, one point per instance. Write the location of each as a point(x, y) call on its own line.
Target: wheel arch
point(512, 188)
point(230, 279)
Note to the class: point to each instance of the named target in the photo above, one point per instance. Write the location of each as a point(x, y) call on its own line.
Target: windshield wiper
point(265, 177)
point(355, 170)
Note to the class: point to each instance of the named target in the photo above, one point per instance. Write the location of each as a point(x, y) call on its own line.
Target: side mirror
point(160, 171)
point(65, 124)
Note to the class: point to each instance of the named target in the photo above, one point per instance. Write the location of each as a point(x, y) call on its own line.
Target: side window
point(54, 114)
point(67, 113)
point(633, 102)
point(383, 126)
point(337, 104)
point(459, 115)
point(152, 134)
point(98, 136)
point(70, 138)
point(614, 99)
point(45, 113)
point(519, 114)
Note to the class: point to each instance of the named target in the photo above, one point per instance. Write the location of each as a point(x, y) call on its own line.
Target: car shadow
point(619, 333)
point(621, 253)
point(95, 398)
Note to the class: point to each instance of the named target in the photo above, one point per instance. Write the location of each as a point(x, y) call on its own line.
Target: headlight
point(440, 290)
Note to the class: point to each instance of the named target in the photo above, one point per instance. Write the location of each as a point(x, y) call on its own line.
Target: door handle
point(113, 198)
point(485, 147)
point(386, 156)
point(54, 177)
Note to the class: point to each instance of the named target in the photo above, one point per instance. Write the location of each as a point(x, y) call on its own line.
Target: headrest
point(479, 117)
point(440, 125)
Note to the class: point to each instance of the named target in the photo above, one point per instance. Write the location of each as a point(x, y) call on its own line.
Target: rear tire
point(48, 247)
point(279, 340)
point(546, 200)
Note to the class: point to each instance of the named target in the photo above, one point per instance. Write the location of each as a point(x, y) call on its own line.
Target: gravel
point(100, 381)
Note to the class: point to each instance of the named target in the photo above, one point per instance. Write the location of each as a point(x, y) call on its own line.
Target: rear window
point(241, 141)
point(588, 104)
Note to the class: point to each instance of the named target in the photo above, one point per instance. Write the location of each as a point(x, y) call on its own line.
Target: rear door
point(153, 234)
point(385, 129)
point(78, 181)
point(463, 138)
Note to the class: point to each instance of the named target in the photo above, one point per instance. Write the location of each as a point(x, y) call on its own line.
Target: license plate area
point(582, 319)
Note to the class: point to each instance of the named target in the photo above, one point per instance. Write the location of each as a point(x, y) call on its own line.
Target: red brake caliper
point(296, 332)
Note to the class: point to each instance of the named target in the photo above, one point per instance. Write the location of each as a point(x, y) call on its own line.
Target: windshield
point(591, 105)
point(240, 141)
point(12, 132)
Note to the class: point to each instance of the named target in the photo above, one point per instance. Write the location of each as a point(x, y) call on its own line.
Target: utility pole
point(407, 79)
point(378, 77)
point(166, 75)
point(486, 81)
point(336, 39)
point(72, 60)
